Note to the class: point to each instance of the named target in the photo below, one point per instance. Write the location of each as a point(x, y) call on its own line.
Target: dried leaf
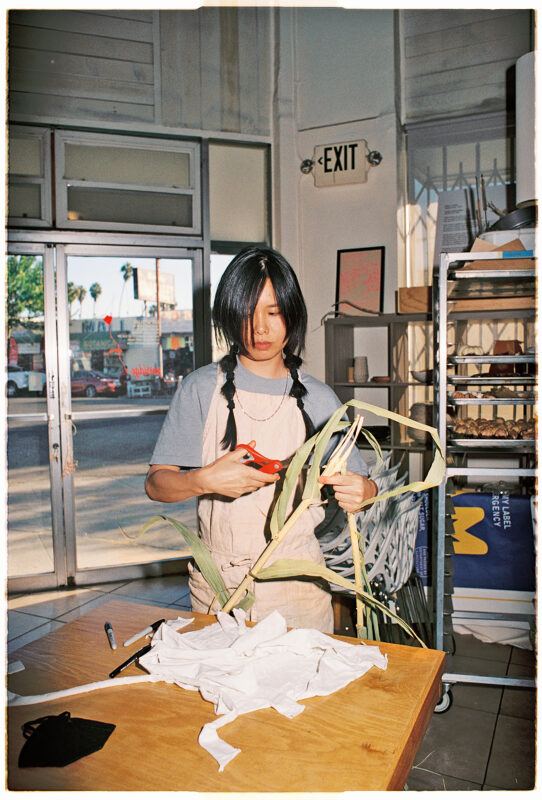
point(312, 485)
point(289, 568)
point(201, 554)
point(374, 444)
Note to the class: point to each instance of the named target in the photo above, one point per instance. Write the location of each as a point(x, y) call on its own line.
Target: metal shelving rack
point(456, 448)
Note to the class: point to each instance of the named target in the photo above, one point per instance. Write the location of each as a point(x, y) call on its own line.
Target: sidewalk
point(110, 511)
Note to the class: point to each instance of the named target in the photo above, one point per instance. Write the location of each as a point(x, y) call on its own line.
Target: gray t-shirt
point(181, 439)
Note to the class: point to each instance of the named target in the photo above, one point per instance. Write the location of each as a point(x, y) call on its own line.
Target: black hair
point(236, 298)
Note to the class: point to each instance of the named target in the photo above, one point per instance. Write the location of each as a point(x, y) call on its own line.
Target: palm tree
point(127, 272)
point(95, 291)
point(72, 295)
point(81, 294)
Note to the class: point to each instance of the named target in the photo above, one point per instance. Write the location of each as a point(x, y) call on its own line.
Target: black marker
point(130, 660)
point(110, 635)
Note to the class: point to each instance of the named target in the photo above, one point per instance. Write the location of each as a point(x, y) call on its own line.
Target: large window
point(445, 157)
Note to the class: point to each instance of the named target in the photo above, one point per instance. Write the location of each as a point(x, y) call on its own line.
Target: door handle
point(56, 451)
point(52, 385)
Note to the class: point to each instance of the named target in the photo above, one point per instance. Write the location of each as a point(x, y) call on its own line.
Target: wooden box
point(414, 300)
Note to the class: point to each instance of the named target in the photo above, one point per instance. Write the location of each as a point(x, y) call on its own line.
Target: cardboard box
point(480, 246)
point(414, 300)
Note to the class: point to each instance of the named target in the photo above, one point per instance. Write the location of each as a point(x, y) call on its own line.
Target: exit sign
point(339, 164)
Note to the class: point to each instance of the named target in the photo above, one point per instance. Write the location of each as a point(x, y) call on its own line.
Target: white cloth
point(241, 669)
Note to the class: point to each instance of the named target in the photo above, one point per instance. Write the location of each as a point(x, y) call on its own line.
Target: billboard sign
point(145, 286)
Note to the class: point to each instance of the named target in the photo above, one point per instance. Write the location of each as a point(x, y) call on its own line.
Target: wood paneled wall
point(206, 70)
point(455, 62)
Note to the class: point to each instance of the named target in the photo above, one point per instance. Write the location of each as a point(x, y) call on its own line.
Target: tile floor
point(485, 741)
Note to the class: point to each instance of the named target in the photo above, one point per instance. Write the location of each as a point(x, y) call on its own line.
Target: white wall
point(335, 82)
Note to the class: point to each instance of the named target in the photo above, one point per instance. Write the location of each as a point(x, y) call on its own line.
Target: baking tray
point(527, 358)
point(509, 444)
point(496, 401)
point(481, 274)
point(479, 380)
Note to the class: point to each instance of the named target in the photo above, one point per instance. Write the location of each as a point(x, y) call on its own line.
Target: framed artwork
point(360, 281)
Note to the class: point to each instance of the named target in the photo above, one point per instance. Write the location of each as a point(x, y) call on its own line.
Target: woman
point(257, 395)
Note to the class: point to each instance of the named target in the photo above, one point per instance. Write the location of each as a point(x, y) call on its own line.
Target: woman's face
point(269, 330)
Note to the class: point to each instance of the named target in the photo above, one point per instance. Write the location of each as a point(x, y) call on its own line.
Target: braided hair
point(236, 298)
point(228, 364)
point(298, 390)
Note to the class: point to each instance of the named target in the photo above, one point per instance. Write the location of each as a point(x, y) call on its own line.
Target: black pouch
point(57, 741)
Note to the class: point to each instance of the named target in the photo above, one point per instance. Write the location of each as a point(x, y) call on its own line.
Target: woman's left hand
point(350, 489)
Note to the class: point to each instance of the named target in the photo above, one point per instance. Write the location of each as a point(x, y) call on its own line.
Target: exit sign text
point(341, 163)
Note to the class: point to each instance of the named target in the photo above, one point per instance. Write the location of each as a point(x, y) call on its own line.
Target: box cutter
point(254, 459)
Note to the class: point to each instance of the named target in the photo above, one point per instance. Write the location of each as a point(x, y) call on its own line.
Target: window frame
point(43, 181)
point(232, 246)
point(192, 148)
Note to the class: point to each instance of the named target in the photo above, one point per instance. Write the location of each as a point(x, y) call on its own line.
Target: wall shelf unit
point(340, 348)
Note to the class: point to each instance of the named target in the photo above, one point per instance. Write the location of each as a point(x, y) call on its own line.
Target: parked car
point(90, 383)
point(18, 381)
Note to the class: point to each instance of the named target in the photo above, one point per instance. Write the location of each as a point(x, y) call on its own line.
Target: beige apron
point(236, 531)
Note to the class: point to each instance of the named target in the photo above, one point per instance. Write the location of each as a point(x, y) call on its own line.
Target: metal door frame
point(58, 577)
point(202, 355)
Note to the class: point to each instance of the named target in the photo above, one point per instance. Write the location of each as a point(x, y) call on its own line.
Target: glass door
point(35, 540)
point(126, 340)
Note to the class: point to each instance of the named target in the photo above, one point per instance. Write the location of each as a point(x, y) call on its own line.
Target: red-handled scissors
point(255, 459)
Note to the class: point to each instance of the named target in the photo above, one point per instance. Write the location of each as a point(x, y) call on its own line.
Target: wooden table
point(363, 737)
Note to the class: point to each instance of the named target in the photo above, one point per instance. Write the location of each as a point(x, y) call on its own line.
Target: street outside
point(112, 455)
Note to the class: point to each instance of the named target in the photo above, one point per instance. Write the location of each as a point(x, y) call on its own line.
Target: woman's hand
point(228, 476)
point(350, 489)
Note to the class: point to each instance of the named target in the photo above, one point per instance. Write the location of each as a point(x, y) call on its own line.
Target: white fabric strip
point(31, 699)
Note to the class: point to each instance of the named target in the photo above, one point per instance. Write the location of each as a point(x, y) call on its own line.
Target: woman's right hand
point(230, 477)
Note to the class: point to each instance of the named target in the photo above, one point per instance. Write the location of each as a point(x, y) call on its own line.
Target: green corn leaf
point(436, 470)
point(278, 517)
point(247, 601)
point(375, 625)
point(435, 474)
point(291, 477)
point(290, 568)
point(334, 424)
point(201, 554)
point(374, 444)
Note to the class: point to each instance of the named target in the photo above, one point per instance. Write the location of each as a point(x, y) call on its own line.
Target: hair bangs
point(239, 290)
